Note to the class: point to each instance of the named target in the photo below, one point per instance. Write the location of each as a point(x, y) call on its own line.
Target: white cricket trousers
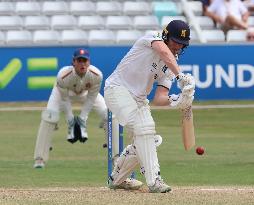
point(137, 117)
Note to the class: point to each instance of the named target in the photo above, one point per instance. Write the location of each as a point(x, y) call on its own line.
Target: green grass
point(226, 134)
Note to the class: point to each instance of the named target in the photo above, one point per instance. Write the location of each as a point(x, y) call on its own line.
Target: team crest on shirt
point(88, 85)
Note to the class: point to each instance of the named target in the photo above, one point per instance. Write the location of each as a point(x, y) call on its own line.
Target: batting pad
point(144, 124)
point(147, 156)
point(125, 164)
point(45, 132)
point(43, 141)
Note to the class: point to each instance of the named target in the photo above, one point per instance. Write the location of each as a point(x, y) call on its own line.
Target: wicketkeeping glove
point(80, 129)
point(77, 130)
point(71, 137)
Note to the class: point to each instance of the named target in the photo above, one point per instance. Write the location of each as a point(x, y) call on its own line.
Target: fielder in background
point(79, 82)
point(151, 59)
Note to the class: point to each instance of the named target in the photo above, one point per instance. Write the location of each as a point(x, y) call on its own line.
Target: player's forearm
point(90, 100)
point(68, 110)
point(170, 61)
point(167, 56)
point(86, 108)
point(161, 101)
point(63, 92)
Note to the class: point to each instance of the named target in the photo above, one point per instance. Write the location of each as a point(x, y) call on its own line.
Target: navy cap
point(81, 53)
point(178, 31)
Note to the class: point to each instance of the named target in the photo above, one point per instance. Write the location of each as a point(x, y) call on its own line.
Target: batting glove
point(181, 101)
point(185, 81)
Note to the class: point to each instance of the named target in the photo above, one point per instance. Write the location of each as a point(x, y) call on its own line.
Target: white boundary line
point(198, 107)
point(193, 188)
point(153, 107)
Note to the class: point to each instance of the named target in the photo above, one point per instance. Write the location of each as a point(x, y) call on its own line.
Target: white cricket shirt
point(70, 84)
point(140, 68)
point(67, 78)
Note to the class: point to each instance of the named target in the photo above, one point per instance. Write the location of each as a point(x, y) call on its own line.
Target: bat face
point(187, 113)
point(188, 128)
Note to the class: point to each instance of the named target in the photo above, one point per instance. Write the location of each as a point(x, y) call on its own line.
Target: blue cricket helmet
point(178, 31)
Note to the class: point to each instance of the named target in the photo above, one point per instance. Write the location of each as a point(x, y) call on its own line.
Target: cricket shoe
point(159, 186)
point(39, 163)
point(128, 184)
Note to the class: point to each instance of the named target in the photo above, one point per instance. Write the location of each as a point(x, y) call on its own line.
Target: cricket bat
point(188, 134)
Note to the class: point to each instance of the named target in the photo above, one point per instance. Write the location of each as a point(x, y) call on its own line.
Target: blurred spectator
point(230, 14)
point(250, 5)
point(205, 4)
point(250, 35)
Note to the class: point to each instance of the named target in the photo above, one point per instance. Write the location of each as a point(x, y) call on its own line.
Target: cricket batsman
point(79, 82)
point(151, 59)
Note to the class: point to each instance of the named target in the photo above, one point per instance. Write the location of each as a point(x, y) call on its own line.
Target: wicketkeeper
point(79, 82)
point(151, 59)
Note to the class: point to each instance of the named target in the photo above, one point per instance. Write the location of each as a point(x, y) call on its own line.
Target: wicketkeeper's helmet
point(178, 31)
